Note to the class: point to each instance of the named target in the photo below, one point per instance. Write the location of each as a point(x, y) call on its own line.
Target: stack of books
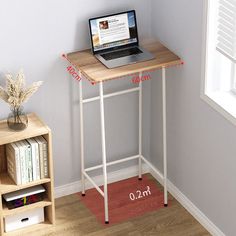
point(24, 196)
point(27, 160)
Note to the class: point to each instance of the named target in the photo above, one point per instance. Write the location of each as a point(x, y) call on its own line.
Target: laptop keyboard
point(121, 53)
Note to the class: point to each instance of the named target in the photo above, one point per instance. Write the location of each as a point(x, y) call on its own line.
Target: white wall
point(33, 36)
point(201, 143)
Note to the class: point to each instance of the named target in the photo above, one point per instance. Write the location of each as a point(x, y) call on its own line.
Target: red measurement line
point(147, 71)
point(65, 56)
point(72, 71)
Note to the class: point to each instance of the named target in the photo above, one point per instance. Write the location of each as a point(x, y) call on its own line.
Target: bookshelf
point(35, 128)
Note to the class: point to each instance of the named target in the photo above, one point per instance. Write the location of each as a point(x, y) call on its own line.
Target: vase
point(17, 119)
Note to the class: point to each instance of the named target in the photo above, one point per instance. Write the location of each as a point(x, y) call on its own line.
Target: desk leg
point(81, 136)
point(104, 152)
point(164, 135)
point(140, 128)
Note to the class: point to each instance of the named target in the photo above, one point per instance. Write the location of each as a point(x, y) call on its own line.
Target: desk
point(92, 69)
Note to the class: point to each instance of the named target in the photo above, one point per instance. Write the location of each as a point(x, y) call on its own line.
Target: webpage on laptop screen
point(113, 31)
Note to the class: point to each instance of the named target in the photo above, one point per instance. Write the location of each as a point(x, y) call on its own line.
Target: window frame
point(219, 102)
point(233, 79)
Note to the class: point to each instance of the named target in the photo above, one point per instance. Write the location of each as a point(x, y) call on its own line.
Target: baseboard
point(190, 207)
point(114, 176)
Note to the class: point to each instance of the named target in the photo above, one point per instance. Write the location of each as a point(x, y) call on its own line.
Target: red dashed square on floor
point(127, 199)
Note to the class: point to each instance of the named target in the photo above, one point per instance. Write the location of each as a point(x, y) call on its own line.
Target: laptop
point(114, 40)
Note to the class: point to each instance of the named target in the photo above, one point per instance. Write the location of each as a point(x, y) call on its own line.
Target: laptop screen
point(113, 31)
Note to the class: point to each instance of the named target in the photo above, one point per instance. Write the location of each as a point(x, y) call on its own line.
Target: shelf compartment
point(35, 128)
point(41, 204)
point(41, 226)
point(7, 185)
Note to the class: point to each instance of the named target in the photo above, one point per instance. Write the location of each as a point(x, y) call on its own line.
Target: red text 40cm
point(73, 73)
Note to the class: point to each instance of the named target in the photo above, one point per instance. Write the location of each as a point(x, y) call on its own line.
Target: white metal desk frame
point(140, 157)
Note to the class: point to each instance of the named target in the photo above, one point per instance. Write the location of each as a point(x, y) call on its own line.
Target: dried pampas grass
point(16, 93)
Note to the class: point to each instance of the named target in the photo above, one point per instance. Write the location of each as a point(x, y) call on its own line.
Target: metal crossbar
point(112, 163)
point(111, 95)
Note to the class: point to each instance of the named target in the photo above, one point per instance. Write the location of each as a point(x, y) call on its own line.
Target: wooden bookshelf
point(35, 128)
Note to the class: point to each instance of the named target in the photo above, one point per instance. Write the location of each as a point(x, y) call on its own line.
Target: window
point(219, 79)
point(226, 33)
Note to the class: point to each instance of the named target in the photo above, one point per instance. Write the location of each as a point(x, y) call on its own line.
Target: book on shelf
point(43, 156)
point(35, 158)
point(23, 162)
point(27, 160)
point(13, 163)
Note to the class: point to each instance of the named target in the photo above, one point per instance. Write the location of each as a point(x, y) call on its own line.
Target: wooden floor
point(74, 219)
